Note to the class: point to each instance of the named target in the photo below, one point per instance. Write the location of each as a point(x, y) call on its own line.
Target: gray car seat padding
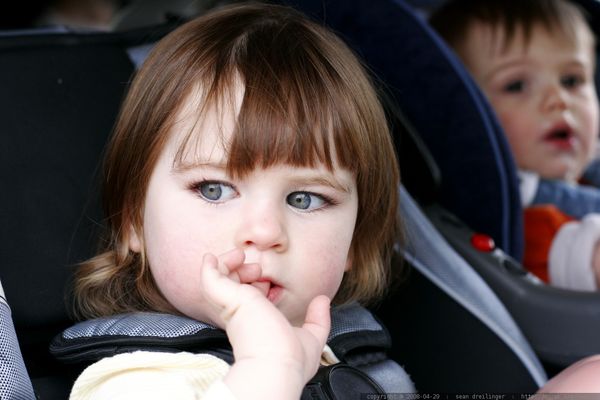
point(435, 259)
point(14, 380)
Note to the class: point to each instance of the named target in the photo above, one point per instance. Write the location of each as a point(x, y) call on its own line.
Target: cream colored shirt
point(156, 375)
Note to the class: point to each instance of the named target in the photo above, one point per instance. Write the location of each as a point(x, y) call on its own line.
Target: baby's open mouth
point(561, 137)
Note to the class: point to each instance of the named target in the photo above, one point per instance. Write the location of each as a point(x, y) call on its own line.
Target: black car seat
point(59, 99)
point(478, 191)
point(451, 331)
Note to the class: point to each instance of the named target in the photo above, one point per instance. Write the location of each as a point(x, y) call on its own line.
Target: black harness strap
point(356, 338)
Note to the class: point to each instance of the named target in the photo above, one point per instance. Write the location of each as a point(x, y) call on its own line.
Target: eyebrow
point(503, 67)
point(182, 167)
point(323, 181)
point(575, 62)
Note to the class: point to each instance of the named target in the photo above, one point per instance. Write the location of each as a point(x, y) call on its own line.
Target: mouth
point(271, 289)
point(562, 137)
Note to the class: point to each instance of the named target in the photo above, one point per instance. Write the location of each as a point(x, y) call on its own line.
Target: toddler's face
point(296, 223)
point(543, 94)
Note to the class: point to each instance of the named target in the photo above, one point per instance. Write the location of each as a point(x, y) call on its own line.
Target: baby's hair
point(307, 100)
point(454, 18)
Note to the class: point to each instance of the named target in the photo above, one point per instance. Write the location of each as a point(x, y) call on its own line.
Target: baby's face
point(543, 94)
point(297, 223)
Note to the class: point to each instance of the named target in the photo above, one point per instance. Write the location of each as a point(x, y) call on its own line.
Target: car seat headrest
point(419, 172)
point(60, 96)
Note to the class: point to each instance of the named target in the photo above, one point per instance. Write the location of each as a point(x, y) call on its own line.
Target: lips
point(271, 289)
point(561, 136)
point(274, 293)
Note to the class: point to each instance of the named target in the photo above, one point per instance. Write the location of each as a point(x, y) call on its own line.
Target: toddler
point(535, 62)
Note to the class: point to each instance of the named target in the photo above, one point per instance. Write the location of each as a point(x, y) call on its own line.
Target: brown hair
point(454, 18)
point(307, 99)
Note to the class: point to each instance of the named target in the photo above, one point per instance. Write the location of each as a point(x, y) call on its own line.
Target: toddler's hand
point(273, 359)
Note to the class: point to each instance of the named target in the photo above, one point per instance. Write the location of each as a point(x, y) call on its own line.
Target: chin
point(567, 176)
point(565, 171)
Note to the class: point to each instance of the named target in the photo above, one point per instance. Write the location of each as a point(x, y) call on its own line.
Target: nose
point(555, 98)
point(263, 228)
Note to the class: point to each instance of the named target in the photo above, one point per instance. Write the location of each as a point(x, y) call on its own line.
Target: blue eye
point(213, 191)
point(305, 201)
point(515, 86)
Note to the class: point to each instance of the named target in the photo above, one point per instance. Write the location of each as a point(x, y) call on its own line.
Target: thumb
point(318, 319)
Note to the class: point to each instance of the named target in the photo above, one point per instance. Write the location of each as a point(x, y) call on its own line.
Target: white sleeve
point(570, 259)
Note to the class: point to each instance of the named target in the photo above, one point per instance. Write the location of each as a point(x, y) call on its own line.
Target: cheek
point(330, 283)
point(173, 264)
point(326, 279)
point(591, 119)
point(330, 254)
point(517, 128)
point(515, 117)
point(175, 246)
point(510, 122)
point(183, 233)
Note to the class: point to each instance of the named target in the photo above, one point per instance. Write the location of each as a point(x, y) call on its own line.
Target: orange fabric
point(542, 222)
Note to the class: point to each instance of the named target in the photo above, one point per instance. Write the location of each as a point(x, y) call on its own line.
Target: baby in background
point(535, 62)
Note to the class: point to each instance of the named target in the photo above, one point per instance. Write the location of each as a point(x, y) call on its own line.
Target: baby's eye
point(572, 80)
point(516, 86)
point(214, 191)
point(306, 201)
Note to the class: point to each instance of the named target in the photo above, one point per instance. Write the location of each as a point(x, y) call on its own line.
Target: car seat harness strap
point(357, 339)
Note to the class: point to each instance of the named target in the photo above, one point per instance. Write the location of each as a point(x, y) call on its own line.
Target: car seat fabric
point(449, 330)
point(592, 7)
point(439, 98)
point(59, 99)
point(356, 338)
point(435, 259)
point(58, 103)
point(14, 380)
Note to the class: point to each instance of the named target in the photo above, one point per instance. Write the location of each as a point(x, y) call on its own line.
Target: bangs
point(294, 108)
point(286, 124)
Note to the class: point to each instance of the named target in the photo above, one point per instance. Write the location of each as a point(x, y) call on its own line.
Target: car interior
point(463, 318)
point(61, 93)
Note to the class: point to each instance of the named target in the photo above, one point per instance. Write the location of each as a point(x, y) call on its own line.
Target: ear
point(135, 242)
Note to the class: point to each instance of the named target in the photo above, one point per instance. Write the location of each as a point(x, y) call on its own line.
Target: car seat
point(59, 99)
point(478, 191)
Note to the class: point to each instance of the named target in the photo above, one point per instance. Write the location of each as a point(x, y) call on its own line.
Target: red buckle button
point(482, 242)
